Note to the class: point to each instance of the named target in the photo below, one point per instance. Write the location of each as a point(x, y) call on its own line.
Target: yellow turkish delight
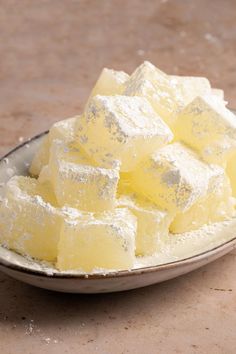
point(105, 240)
point(209, 127)
point(174, 177)
point(158, 88)
point(216, 205)
point(110, 82)
point(68, 152)
point(64, 130)
point(29, 224)
point(85, 187)
point(121, 128)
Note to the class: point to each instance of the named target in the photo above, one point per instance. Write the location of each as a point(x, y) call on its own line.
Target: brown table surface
point(51, 53)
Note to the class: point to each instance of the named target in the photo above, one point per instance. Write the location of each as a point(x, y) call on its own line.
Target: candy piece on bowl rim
point(29, 224)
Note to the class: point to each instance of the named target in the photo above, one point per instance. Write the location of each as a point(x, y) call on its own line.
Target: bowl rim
point(111, 274)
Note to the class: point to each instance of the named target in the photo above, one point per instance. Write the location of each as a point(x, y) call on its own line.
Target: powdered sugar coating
point(209, 127)
point(29, 224)
point(162, 93)
point(128, 126)
point(85, 187)
point(173, 177)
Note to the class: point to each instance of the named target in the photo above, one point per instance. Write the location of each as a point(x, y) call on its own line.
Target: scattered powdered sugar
point(30, 327)
point(140, 52)
point(49, 340)
point(210, 38)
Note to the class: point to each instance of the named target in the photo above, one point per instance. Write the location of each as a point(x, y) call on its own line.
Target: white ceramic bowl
point(45, 276)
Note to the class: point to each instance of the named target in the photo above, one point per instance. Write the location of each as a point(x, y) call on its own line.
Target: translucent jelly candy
point(216, 205)
point(162, 93)
point(29, 223)
point(105, 240)
point(121, 128)
point(209, 127)
point(110, 82)
point(85, 187)
point(173, 177)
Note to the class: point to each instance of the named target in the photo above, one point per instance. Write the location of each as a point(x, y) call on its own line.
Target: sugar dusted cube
point(64, 130)
point(29, 224)
point(152, 223)
point(77, 182)
point(173, 177)
point(85, 187)
point(217, 205)
point(110, 82)
point(207, 126)
point(68, 152)
point(128, 128)
point(105, 240)
point(157, 87)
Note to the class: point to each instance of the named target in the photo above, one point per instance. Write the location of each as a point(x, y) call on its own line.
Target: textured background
point(51, 53)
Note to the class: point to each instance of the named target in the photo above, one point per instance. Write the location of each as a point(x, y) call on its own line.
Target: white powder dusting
point(30, 327)
point(210, 38)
